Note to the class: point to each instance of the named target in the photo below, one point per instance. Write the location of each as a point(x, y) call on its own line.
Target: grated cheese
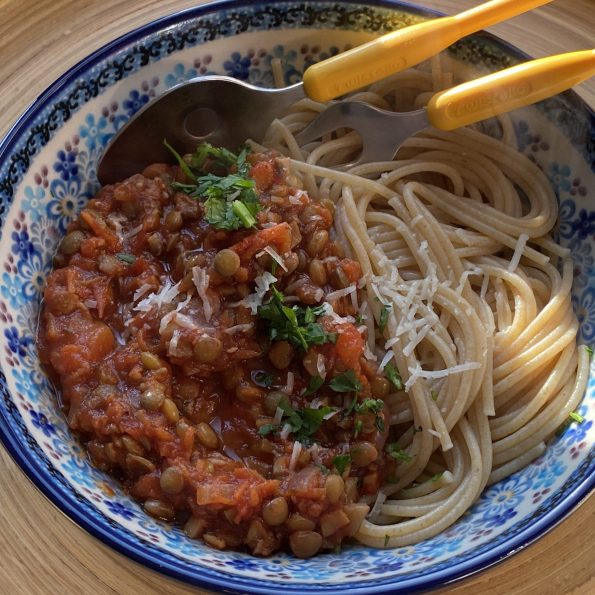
point(518, 252)
point(183, 304)
point(132, 232)
point(295, 455)
point(320, 366)
point(387, 357)
point(239, 328)
point(288, 388)
point(200, 278)
point(275, 256)
point(90, 303)
point(339, 293)
point(186, 321)
point(285, 431)
point(377, 508)
point(278, 416)
point(165, 295)
point(142, 290)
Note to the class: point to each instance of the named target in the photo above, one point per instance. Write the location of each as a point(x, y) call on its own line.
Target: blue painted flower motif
point(95, 132)
point(66, 165)
point(25, 384)
point(22, 245)
point(238, 66)
point(67, 200)
point(500, 519)
point(16, 343)
point(119, 509)
point(79, 471)
point(33, 275)
point(559, 176)
point(584, 225)
point(135, 101)
point(582, 256)
point(33, 202)
point(584, 306)
point(243, 564)
point(546, 476)
point(41, 421)
point(179, 75)
point(577, 432)
point(501, 496)
point(291, 74)
point(11, 289)
point(566, 212)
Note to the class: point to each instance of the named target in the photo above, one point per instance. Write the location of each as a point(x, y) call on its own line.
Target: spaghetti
point(454, 240)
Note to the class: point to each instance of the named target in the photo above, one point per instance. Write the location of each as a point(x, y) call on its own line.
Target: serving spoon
point(225, 111)
point(382, 132)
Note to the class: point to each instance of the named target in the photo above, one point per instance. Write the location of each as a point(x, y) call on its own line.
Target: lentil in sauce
point(220, 373)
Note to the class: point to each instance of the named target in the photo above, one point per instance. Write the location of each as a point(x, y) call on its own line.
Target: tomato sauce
point(154, 324)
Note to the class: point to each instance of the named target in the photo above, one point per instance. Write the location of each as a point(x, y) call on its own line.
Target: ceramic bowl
point(47, 172)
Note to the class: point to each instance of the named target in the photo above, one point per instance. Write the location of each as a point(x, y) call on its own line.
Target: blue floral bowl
point(48, 171)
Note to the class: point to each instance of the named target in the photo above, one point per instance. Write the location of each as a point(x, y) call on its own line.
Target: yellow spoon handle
point(509, 89)
point(375, 60)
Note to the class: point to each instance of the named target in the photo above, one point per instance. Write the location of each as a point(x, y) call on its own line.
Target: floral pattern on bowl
point(47, 173)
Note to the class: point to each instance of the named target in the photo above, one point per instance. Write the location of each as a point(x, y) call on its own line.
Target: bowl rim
point(45, 481)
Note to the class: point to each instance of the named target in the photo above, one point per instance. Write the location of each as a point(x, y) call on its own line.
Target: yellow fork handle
point(375, 60)
point(509, 89)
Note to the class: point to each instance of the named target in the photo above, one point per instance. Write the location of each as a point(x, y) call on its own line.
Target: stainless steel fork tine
point(382, 132)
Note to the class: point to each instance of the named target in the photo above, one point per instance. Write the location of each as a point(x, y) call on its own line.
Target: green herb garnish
point(370, 406)
point(358, 427)
point(589, 350)
point(127, 258)
point(230, 200)
point(437, 476)
point(267, 429)
point(393, 376)
point(346, 382)
point(263, 378)
point(314, 384)
point(340, 463)
point(295, 324)
point(433, 395)
point(383, 320)
point(304, 422)
point(577, 417)
point(397, 453)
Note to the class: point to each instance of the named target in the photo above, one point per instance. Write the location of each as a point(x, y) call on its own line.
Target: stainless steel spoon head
point(217, 109)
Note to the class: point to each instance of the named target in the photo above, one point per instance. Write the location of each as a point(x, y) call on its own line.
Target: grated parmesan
point(518, 252)
point(200, 278)
point(239, 328)
point(288, 388)
point(377, 508)
point(165, 295)
point(339, 293)
point(285, 431)
point(387, 357)
point(295, 455)
point(278, 416)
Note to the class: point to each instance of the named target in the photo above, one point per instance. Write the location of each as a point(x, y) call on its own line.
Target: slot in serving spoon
point(383, 132)
point(225, 111)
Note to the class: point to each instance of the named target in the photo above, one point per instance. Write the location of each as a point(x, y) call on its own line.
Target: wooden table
point(41, 551)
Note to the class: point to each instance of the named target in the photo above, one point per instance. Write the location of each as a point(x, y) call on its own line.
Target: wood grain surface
point(41, 551)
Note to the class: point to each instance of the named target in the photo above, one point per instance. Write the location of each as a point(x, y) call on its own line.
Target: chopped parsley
point(127, 258)
point(358, 427)
point(314, 384)
point(304, 422)
point(296, 324)
point(340, 463)
point(434, 395)
point(383, 320)
point(577, 417)
point(230, 200)
point(589, 350)
point(267, 429)
point(393, 376)
point(262, 378)
point(397, 453)
point(370, 406)
point(324, 469)
point(437, 476)
point(346, 382)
